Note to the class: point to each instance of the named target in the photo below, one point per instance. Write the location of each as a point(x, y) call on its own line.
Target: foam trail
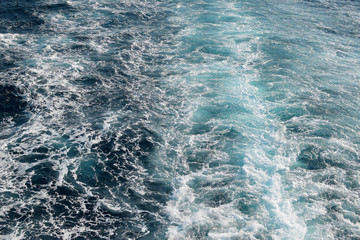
point(247, 188)
point(232, 185)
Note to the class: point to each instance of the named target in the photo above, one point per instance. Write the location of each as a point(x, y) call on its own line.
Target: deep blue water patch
point(13, 105)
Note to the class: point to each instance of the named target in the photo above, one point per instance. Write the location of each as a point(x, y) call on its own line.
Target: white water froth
point(261, 174)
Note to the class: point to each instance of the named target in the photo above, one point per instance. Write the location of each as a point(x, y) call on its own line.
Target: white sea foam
point(234, 105)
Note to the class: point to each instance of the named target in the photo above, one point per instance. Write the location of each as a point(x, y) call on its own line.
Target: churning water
point(153, 119)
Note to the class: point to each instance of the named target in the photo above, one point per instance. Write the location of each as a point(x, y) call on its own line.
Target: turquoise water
point(180, 119)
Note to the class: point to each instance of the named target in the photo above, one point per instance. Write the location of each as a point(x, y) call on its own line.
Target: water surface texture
point(132, 119)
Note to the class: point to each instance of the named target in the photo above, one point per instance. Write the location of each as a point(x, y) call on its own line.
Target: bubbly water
point(207, 119)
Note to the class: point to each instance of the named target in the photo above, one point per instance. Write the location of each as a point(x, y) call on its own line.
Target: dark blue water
point(179, 119)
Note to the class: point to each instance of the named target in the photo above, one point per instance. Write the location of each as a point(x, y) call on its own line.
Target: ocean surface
point(180, 120)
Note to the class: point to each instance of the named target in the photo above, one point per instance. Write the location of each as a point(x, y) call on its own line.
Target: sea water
point(204, 119)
